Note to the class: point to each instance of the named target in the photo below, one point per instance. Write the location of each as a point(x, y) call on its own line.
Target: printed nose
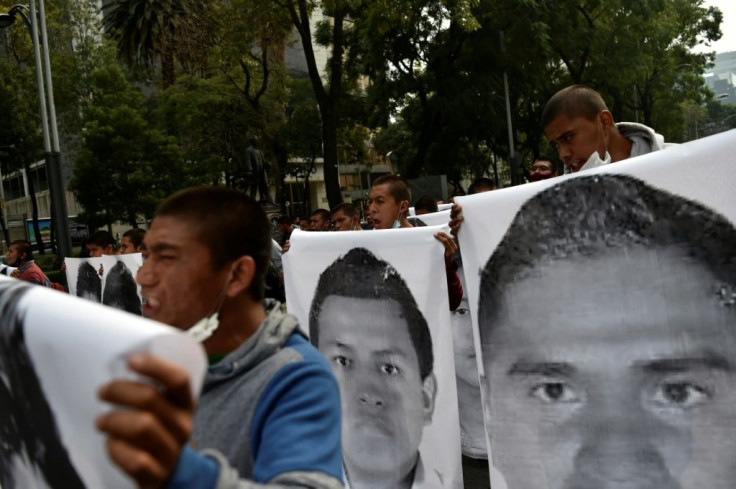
point(620, 457)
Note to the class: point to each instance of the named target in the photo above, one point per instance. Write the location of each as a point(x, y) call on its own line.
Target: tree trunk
point(331, 172)
point(430, 129)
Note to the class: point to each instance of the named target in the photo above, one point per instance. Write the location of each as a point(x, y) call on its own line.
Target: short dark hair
point(425, 203)
point(346, 208)
point(592, 215)
point(101, 238)
point(397, 187)
point(121, 291)
point(482, 183)
point(89, 281)
point(573, 101)
point(323, 213)
point(284, 220)
point(135, 236)
point(229, 223)
point(23, 246)
point(360, 274)
point(544, 158)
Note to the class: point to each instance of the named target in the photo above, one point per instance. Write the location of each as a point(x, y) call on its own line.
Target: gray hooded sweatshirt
point(269, 415)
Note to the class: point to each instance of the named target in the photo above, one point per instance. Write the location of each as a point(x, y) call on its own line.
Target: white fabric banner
point(56, 351)
point(604, 308)
point(379, 312)
point(109, 279)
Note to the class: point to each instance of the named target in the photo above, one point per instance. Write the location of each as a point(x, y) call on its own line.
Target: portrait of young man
point(608, 341)
point(32, 453)
point(366, 322)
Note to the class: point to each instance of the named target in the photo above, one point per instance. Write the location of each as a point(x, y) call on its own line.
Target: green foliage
point(20, 121)
point(423, 79)
point(209, 118)
point(167, 31)
point(442, 79)
point(125, 166)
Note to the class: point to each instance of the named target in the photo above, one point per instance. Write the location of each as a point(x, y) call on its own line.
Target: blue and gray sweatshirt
point(268, 416)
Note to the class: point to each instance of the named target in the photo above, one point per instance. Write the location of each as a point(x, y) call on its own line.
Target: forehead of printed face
point(609, 254)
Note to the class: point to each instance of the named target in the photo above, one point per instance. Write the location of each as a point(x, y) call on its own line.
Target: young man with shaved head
point(269, 414)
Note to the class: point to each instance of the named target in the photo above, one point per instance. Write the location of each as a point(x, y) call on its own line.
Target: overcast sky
point(728, 27)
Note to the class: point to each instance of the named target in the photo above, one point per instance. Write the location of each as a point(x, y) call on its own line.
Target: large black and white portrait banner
point(604, 306)
point(56, 351)
point(109, 279)
point(376, 306)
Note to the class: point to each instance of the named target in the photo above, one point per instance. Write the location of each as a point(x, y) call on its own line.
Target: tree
point(440, 67)
point(125, 166)
point(250, 53)
point(209, 118)
point(19, 127)
point(328, 95)
point(304, 135)
point(148, 31)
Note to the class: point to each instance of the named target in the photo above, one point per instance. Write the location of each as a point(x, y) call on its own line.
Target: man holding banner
point(269, 410)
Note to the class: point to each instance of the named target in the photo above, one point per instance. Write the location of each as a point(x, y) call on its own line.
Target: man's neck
point(619, 147)
point(239, 319)
point(360, 479)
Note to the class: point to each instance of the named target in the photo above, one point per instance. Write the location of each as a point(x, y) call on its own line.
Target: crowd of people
point(270, 408)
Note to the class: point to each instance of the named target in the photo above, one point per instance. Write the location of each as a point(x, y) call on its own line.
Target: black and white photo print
point(379, 314)
point(606, 308)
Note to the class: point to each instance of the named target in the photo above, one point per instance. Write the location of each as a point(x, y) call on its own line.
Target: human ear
point(242, 273)
point(404, 206)
point(606, 119)
point(429, 394)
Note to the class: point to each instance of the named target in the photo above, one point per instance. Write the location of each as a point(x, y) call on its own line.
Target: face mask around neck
point(397, 222)
point(205, 327)
point(595, 161)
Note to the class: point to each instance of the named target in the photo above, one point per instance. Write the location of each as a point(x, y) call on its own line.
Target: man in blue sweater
point(269, 413)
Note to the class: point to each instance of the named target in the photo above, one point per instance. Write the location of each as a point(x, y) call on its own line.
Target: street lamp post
point(59, 215)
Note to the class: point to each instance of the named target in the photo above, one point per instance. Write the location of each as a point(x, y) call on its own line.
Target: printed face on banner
point(31, 453)
point(50, 379)
point(386, 403)
point(109, 280)
point(380, 351)
point(608, 341)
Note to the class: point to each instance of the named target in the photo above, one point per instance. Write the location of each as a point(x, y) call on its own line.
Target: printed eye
point(341, 361)
point(554, 392)
point(682, 395)
point(390, 369)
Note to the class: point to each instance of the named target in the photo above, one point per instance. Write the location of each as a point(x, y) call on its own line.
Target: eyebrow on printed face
point(547, 369)
point(706, 361)
point(388, 351)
